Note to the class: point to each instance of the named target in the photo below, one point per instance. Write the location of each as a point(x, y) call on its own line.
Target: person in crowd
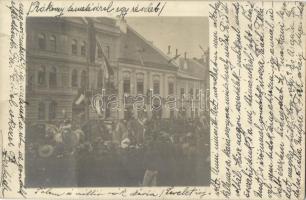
point(140, 151)
point(137, 130)
point(119, 132)
point(68, 137)
point(125, 130)
point(151, 163)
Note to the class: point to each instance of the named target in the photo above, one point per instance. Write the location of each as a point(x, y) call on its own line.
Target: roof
point(135, 49)
point(187, 76)
point(194, 68)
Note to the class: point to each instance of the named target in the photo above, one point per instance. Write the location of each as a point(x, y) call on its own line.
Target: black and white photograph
point(117, 102)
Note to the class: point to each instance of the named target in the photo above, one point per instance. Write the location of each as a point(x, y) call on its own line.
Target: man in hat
point(151, 162)
point(68, 137)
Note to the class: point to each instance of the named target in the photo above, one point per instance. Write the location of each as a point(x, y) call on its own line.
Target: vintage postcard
point(152, 99)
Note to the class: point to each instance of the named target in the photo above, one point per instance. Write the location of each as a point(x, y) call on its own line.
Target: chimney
point(121, 24)
point(169, 50)
point(185, 55)
point(176, 52)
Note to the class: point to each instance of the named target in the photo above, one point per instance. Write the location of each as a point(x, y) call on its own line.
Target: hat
point(125, 143)
point(45, 151)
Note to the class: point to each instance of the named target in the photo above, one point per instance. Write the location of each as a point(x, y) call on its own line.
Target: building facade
point(63, 61)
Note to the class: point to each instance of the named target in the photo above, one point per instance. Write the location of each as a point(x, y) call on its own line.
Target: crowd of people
point(132, 152)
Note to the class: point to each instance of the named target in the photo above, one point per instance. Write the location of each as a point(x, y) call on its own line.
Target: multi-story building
point(69, 55)
point(58, 63)
point(193, 85)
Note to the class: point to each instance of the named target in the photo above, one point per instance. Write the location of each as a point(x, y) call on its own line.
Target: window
point(126, 83)
point(182, 92)
point(100, 79)
point(191, 92)
point(197, 94)
point(83, 79)
point(156, 84)
point(42, 76)
point(83, 48)
point(41, 110)
point(74, 78)
point(52, 77)
point(196, 113)
point(52, 110)
point(156, 87)
point(99, 51)
point(140, 83)
point(74, 47)
point(170, 88)
point(52, 43)
point(42, 41)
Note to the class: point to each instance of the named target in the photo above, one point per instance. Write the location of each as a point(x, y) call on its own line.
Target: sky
point(182, 33)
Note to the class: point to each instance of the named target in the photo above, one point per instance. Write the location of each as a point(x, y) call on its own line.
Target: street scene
point(117, 102)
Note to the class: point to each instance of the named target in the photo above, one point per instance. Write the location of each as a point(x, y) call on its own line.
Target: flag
point(91, 41)
point(108, 69)
point(80, 97)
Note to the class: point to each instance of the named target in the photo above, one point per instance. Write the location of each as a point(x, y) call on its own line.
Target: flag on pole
point(91, 41)
point(80, 97)
point(108, 69)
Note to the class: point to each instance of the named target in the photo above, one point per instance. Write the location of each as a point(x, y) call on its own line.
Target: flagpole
point(89, 26)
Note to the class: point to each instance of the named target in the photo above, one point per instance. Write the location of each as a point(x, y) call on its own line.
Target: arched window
point(83, 48)
point(42, 76)
point(52, 110)
point(41, 110)
point(156, 84)
point(140, 83)
point(74, 47)
point(83, 79)
point(74, 78)
point(52, 43)
point(52, 77)
point(126, 83)
point(100, 79)
point(42, 41)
